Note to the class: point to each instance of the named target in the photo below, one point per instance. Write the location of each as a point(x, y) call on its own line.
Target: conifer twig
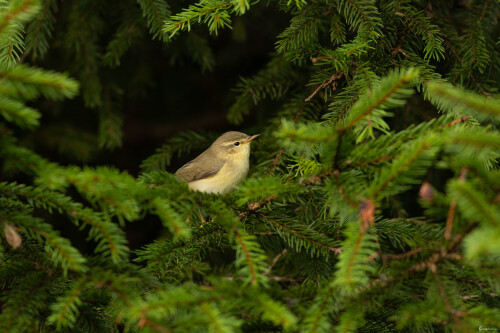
point(256, 205)
point(248, 258)
point(275, 261)
point(404, 255)
point(342, 192)
point(336, 250)
point(332, 78)
point(316, 178)
point(453, 207)
point(454, 122)
point(275, 161)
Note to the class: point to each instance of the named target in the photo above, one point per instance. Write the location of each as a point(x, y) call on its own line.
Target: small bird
point(221, 167)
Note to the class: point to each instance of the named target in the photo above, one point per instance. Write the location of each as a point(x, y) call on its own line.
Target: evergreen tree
point(372, 203)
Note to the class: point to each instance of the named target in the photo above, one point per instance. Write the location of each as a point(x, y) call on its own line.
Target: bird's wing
point(192, 171)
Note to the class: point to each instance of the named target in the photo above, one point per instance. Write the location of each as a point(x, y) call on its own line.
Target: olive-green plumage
point(221, 167)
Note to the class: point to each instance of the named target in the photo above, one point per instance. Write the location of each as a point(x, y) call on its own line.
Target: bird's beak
point(251, 138)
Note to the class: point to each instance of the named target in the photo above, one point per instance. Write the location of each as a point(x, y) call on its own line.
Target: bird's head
point(233, 145)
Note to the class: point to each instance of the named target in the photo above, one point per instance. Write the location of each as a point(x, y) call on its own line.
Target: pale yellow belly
point(224, 181)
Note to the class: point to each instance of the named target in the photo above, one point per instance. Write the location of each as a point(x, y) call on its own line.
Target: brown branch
point(275, 261)
point(143, 321)
point(453, 206)
point(443, 253)
point(315, 60)
point(275, 161)
point(351, 202)
point(316, 178)
point(371, 162)
point(404, 34)
point(332, 78)
point(286, 279)
point(395, 256)
point(256, 205)
point(404, 255)
point(454, 122)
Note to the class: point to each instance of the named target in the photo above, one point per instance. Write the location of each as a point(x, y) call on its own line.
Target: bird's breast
point(231, 174)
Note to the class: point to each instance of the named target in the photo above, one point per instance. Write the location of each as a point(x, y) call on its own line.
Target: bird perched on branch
point(221, 167)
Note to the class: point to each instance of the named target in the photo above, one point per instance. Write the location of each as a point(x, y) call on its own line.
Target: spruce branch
point(31, 82)
point(23, 297)
point(212, 12)
point(453, 207)
point(59, 248)
point(389, 91)
point(412, 162)
point(12, 17)
point(325, 234)
point(477, 138)
point(311, 241)
point(273, 82)
point(17, 113)
point(360, 14)
point(299, 106)
point(316, 317)
point(166, 253)
point(472, 203)
point(464, 68)
point(273, 311)
point(170, 217)
point(65, 310)
point(350, 319)
point(264, 190)
point(110, 126)
point(182, 143)
point(448, 97)
point(20, 10)
point(11, 46)
point(325, 83)
point(302, 32)
point(40, 30)
point(250, 258)
point(353, 267)
point(155, 12)
point(110, 238)
point(431, 36)
point(126, 34)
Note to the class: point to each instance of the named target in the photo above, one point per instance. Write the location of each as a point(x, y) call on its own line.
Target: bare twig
point(332, 78)
point(256, 205)
point(453, 207)
point(275, 260)
point(454, 122)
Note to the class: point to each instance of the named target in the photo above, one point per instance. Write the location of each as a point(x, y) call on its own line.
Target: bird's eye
point(236, 143)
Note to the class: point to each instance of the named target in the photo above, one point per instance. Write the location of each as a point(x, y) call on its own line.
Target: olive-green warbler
point(221, 167)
